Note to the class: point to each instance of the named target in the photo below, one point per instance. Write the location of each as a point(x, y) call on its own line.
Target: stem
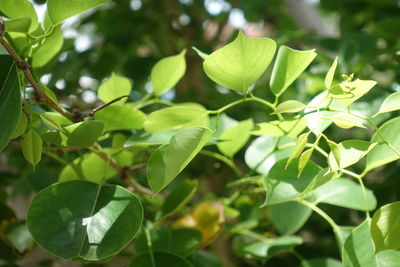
point(327, 218)
point(24, 67)
point(246, 99)
point(224, 159)
point(91, 113)
point(365, 197)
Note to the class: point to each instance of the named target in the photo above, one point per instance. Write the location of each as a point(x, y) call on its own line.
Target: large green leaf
point(285, 184)
point(291, 127)
point(388, 258)
point(83, 220)
point(18, 9)
point(176, 118)
point(32, 147)
point(234, 138)
point(239, 64)
point(358, 249)
point(167, 72)
point(48, 49)
point(159, 259)
point(385, 227)
point(391, 103)
point(170, 159)
point(289, 64)
point(179, 197)
point(118, 117)
point(61, 10)
point(382, 153)
point(114, 87)
point(289, 217)
point(345, 193)
point(10, 99)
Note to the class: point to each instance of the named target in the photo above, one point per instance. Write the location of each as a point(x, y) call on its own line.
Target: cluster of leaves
point(95, 209)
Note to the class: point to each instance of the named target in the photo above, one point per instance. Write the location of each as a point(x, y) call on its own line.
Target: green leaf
point(181, 241)
point(388, 258)
point(358, 249)
point(348, 92)
point(48, 49)
point(321, 178)
point(290, 106)
point(23, 122)
point(61, 10)
point(234, 138)
point(114, 87)
point(331, 73)
point(10, 99)
point(167, 72)
point(385, 227)
point(289, 217)
point(298, 149)
point(239, 64)
point(285, 185)
point(17, 25)
point(304, 159)
point(57, 117)
point(50, 121)
point(262, 154)
point(382, 154)
point(83, 220)
point(292, 127)
point(350, 152)
point(289, 64)
point(203, 258)
point(118, 117)
point(159, 259)
point(19, 237)
point(321, 262)
point(89, 167)
point(176, 118)
point(32, 147)
point(200, 53)
point(179, 197)
point(345, 193)
point(19, 9)
point(142, 140)
point(170, 159)
point(347, 121)
point(391, 103)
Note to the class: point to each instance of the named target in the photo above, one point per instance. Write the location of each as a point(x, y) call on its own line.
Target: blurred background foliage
point(128, 36)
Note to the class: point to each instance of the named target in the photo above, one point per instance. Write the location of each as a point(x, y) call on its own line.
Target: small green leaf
point(170, 159)
point(20, 9)
point(331, 73)
point(382, 154)
point(103, 218)
point(239, 64)
point(289, 217)
point(391, 103)
point(55, 116)
point(290, 106)
point(385, 227)
point(179, 197)
point(10, 99)
point(18, 25)
point(48, 49)
point(234, 138)
point(114, 87)
point(200, 53)
point(345, 193)
point(118, 117)
point(61, 10)
point(32, 147)
point(321, 178)
point(167, 72)
point(304, 159)
point(348, 92)
point(298, 149)
point(159, 259)
point(347, 121)
point(289, 64)
point(176, 118)
point(23, 122)
point(334, 159)
point(50, 121)
point(292, 127)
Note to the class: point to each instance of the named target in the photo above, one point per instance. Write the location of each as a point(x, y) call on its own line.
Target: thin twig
point(91, 113)
point(24, 67)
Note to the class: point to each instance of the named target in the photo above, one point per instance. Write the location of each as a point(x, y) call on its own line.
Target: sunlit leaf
point(234, 138)
point(48, 49)
point(331, 73)
point(17, 25)
point(19, 9)
point(119, 117)
point(391, 103)
point(290, 106)
point(292, 127)
point(348, 92)
point(114, 87)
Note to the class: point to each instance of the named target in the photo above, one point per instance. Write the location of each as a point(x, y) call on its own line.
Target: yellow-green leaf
point(32, 147)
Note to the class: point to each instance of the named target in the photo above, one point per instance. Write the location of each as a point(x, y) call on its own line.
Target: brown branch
point(91, 113)
point(24, 67)
point(124, 173)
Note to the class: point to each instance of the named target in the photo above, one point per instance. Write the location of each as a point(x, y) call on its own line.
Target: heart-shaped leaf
point(84, 221)
point(239, 64)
